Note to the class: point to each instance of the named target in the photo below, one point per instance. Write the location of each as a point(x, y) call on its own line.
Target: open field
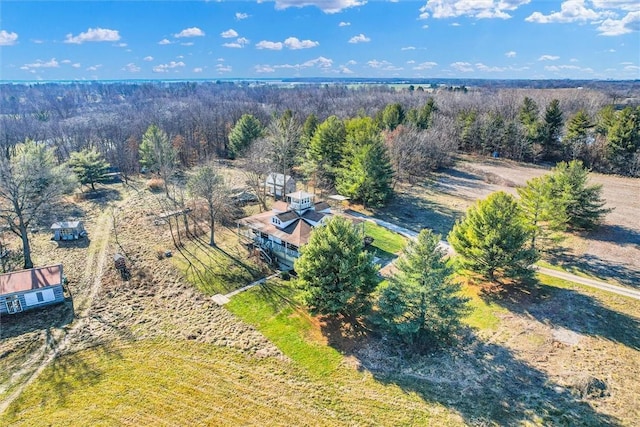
point(611, 252)
point(156, 350)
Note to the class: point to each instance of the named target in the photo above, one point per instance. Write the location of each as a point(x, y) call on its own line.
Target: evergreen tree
point(544, 213)
point(624, 140)
point(421, 305)
point(157, 153)
point(366, 174)
point(491, 241)
point(393, 116)
point(335, 273)
point(470, 131)
point(308, 130)
point(584, 205)
point(528, 116)
point(324, 153)
point(552, 130)
point(577, 136)
point(246, 130)
point(89, 166)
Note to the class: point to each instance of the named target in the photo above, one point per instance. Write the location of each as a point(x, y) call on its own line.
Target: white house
point(278, 184)
point(278, 234)
point(28, 289)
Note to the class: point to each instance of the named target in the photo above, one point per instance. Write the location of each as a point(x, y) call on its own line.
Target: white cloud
point(164, 41)
point(473, 8)
point(238, 44)
point(295, 44)
point(131, 67)
point(198, 70)
point(510, 54)
point(616, 27)
point(408, 48)
point(464, 67)
point(148, 58)
point(76, 65)
point(632, 68)
point(548, 58)
point(344, 24)
point(320, 62)
point(8, 39)
point(570, 11)
point(52, 63)
point(240, 16)
point(220, 68)
point(292, 43)
point(351, 62)
point(455, 24)
point(121, 45)
point(383, 65)
point(264, 69)
point(574, 60)
point(65, 61)
point(163, 68)
point(190, 32)
point(411, 61)
point(229, 34)
point(425, 26)
point(628, 5)
point(327, 6)
point(425, 65)
point(264, 44)
point(487, 69)
point(37, 41)
point(94, 67)
point(94, 35)
point(187, 44)
point(345, 70)
point(360, 38)
point(561, 68)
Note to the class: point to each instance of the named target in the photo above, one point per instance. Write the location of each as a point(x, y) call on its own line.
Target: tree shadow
point(572, 310)
point(617, 234)
point(101, 196)
point(82, 242)
point(628, 275)
point(484, 382)
point(44, 318)
point(415, 213)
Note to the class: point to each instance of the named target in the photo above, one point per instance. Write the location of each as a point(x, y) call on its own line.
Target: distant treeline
point(598, 122)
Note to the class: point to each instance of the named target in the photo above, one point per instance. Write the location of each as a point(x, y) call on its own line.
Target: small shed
point(28, 289)
point(278, 184)
point(68, 230)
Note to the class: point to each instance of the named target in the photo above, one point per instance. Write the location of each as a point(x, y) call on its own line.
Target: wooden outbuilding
point(68, 230)
point(33, 288)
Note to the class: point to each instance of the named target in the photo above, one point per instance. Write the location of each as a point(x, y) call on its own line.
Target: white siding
point(31, 298)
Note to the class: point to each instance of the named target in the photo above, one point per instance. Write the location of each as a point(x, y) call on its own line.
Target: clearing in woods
point(157, 350)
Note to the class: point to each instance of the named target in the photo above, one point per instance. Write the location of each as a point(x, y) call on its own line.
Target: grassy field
point(155, 350)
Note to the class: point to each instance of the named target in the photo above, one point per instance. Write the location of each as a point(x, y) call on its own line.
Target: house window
point(13, 305)
point(39, 297)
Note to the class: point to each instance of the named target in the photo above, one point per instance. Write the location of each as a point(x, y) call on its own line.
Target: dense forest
point(420, 128)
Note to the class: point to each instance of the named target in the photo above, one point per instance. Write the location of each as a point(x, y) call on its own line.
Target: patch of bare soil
point(558, 357)
point(154, 302)
point(611, 252)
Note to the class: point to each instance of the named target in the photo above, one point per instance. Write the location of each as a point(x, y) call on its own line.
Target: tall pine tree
point(492, 241)
point(421, 305)
point(335, 273)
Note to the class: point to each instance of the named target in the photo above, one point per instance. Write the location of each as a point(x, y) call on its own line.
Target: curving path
point(598, 284)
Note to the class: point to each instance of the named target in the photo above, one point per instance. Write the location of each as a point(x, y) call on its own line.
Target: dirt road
point(60, 338)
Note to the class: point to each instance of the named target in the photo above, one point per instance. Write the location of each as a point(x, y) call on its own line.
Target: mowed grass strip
point(368, 398)
point(386, 243)
point(169, 383)
point(181, 383)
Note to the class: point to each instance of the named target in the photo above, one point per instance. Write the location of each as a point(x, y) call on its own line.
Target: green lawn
point(386, 243)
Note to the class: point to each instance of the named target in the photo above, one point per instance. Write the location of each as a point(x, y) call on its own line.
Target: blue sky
point(523, 39)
